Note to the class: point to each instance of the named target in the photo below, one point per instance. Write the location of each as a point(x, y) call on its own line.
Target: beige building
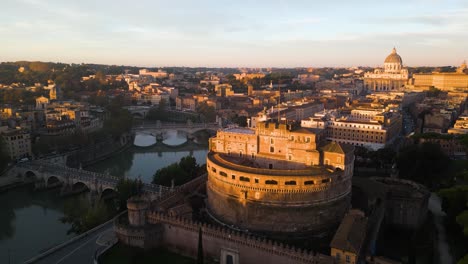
point(370, 128)
point(224, 90)
point(159, 74)
point(460, 126)
point(186, 103)
point(42, 103)
point(18, 142)
point(392, 77)
point(448, 81)
point(347, 244)
point(6, 112)
point(248, 76)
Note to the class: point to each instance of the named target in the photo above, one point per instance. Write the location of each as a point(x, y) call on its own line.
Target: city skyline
point(241, 34)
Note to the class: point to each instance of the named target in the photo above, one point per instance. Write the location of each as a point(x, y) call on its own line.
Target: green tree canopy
point(207, 111)
point(127, 188)
point(183, 171)
point(424, 163)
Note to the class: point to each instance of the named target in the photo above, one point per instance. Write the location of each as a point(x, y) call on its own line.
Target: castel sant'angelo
point(274, 181)
point(268, 185)
point(279, 179)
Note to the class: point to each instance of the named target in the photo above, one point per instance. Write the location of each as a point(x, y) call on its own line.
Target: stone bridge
point(138, 111)
point(48, 175)
point(189, 127)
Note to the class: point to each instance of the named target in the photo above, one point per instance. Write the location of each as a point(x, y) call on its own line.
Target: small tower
point(137, 208)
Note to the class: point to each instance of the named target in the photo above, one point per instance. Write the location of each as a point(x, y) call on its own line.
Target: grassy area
point(122, 254)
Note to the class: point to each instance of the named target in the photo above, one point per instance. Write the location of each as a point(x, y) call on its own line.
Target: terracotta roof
point(338, 148)
point(351, 233)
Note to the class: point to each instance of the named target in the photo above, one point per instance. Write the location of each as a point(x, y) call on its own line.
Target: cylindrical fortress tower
point(311, 200)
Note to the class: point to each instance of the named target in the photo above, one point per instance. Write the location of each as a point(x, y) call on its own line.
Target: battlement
point(239, 238)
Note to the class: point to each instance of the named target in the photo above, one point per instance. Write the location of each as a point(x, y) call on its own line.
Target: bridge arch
point(138, 115)
point(30, 174)
point(80, 187)
point(53, 181)
point(108, 193)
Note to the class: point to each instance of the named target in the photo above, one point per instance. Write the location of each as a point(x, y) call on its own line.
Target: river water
point(30, 221)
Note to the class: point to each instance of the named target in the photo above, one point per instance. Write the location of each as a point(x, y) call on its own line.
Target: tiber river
point(30, 221)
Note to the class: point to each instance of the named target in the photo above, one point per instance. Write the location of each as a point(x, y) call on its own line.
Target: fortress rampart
point(181, 235)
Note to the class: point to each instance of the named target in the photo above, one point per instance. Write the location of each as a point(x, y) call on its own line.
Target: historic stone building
point(446, 81)
point(365, 127)
point(277, 179)
point(392, 77)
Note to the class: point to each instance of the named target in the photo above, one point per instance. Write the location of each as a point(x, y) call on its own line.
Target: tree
point(462, 220)
point(182, 172)
point(240, 120)
point(424, 163)
point(159, 112)
point(83, 214)
point(207, 111)
point(433, 92)
point(4, 157)
point(127, 188)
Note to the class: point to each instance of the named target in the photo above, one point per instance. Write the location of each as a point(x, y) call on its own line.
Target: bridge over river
point(48, 175)
point(189, 127)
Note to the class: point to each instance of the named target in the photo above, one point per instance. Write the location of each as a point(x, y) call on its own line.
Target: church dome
point(394, 58)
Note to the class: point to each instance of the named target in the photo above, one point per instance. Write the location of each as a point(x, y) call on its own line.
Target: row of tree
point(179, 173)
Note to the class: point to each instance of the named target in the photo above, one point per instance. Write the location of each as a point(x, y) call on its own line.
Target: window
point(233, 177)
point(290, 183)
point(229, 259)
point(308, 182)
point(348, 259)
point(272, 149)
point(326, 180)
point(244, 179)
point(272, 141)
point(213, 169)
point(338, 256)
point(307, 139)
point(222, 173)
point(271, 182)
point(270, 166)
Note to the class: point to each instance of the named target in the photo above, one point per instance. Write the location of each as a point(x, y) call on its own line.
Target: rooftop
point(240, 130)
point(351, 232)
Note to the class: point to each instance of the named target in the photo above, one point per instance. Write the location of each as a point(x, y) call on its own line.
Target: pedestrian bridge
point(50, 175)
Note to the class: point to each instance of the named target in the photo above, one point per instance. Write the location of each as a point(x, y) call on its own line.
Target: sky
point(226, 33)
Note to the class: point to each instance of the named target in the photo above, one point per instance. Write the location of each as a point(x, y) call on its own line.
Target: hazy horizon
point(264, 34)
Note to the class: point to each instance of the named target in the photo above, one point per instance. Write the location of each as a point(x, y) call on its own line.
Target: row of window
point(268, 182)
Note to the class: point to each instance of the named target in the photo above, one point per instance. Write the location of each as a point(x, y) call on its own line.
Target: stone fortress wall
point(181, 235)
point(276, 200)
